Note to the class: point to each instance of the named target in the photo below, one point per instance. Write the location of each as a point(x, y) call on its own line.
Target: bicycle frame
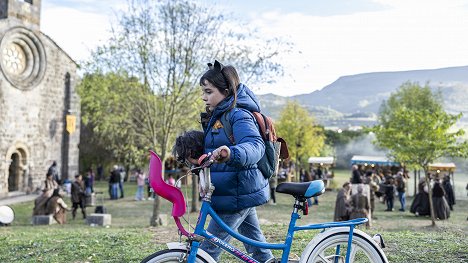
point(161, 188)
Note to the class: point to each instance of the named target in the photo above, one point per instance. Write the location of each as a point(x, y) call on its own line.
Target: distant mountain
point(355, 100)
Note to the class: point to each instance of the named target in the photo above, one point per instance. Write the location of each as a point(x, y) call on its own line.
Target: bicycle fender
point(200, 252)
point(332, 231)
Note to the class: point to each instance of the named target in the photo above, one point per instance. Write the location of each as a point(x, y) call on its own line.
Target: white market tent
point(369, 160)
point(444, 167)
point(448, 167)
point(329, 160)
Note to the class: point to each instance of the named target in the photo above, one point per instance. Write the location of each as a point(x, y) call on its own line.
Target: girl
point(239, 184)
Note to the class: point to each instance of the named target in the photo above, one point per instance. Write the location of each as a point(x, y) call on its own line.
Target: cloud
point(406, 36)
point(391, 35)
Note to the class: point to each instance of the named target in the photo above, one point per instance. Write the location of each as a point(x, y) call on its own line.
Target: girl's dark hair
point(189, 144)
point(224, 78)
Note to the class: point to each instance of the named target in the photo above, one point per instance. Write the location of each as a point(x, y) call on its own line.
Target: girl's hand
point(221, 154)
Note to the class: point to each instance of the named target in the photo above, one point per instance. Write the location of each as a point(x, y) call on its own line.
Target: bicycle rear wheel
point(333, 248)
point(170, 255)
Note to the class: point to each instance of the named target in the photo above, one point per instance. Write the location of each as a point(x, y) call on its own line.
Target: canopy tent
point(444, 167)
point(323, 162)
point(329, 160)
point(373, 160)
point(439, 167)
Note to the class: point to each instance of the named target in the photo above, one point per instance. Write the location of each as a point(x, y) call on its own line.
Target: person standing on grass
point(78, 196)
point(449, 195)
point(389, 193)
point(441, 207)
point(342, 207)
point(273, 181)
point(114, 181)
point(401, 189)
point(360, 205)
point(239, 184)
point(140, 178)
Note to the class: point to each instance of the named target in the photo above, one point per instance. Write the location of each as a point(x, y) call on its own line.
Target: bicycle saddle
point(163, 189)
point(307, 189)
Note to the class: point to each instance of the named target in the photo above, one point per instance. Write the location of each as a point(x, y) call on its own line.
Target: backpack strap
point(227, 126)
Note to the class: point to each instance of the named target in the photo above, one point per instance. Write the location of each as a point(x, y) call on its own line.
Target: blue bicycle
point(337, 242)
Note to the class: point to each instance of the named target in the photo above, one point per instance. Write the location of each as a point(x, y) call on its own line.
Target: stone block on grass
point(43, 220)
point(99, 219)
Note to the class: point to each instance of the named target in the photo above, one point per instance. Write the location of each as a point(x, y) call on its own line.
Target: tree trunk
point(431, 205)
point(195, 195)
point(155, 218)
point(415, 183)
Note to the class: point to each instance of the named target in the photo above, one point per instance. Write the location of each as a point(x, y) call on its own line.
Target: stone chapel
point(39, 105)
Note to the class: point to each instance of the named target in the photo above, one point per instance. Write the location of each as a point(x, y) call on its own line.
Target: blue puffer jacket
point(238, 183)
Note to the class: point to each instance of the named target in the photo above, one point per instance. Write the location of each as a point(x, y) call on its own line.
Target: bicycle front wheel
point(171, 255)
point(333, 248)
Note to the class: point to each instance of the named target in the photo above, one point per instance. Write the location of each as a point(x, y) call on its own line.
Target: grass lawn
point(130, 239)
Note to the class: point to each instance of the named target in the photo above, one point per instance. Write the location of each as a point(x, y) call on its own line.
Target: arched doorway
point(14, 173)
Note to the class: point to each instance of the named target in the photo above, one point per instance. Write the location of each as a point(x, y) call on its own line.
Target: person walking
point(78, 196)
point(239, 184)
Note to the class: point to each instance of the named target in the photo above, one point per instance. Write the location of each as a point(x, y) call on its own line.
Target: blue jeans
point(114, 188)
point(139, 193)
point(121, 189)
point(402, 197)
point(246, 223)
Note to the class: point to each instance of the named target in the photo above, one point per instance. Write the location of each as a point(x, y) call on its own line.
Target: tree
point(297, 126)
point(165, 45)
point(417, 131)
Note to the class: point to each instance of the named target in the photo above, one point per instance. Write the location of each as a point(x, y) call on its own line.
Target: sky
point(331, 38)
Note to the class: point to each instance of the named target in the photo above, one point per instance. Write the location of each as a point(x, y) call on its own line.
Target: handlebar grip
point(202, 158)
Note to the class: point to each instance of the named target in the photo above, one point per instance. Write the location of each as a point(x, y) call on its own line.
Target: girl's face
point(211, 95)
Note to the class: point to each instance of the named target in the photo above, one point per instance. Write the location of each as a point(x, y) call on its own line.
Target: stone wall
point(33, 107)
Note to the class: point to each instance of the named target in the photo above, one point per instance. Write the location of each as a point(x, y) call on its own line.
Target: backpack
point(275, 147)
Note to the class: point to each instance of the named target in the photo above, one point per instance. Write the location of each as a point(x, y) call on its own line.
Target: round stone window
point(14, 59)
point(22, 58)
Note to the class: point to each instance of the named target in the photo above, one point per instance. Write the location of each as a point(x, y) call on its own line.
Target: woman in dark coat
point(441, 207)
point(342, 203)
point(449, 192)
point(420, 205)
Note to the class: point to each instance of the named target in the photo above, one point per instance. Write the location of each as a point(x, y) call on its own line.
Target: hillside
point(355, 100)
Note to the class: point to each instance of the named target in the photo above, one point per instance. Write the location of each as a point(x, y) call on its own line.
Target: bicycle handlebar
point(207, 159)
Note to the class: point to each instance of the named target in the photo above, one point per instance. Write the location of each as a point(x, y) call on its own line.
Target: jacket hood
point(246, 99)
